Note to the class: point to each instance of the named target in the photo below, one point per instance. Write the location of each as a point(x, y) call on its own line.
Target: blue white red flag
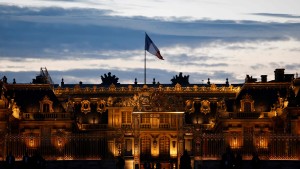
point(151, 47)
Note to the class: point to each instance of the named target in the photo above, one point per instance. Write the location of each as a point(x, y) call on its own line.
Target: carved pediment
point(46, 105)
point(205, 106)
point(247, 104)
point(158, 101)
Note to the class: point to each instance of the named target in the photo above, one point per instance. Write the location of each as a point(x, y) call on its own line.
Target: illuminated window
point(164, 146)
point(173, 120)
point(145, 118)
point(188, 145)
point(128, 147)
point(163, 118)
point(126, 117)
point(164, 121)
point(145, 146)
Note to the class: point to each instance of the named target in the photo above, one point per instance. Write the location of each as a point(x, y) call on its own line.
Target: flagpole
point(145, 68)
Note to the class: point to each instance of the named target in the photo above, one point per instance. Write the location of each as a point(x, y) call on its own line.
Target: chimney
point(264, 78)
point(62, 83)
point(279, 75)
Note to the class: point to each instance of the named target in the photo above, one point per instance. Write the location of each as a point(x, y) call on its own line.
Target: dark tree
point(109, 79)
point(227, 160)
point(255, 162)
point(120, 163)
point(185, 161)
point(182, 80)
point(10, 161)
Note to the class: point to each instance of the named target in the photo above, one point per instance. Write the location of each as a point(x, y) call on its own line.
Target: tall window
point(145, 118)
point(126, 117)
point(163, 118)
point(173, 120)
point(46, 108)
point(145, 147)
point(128, 147)
point(164, 146)
point(247, 107)
point(164, 121)
point(46, 105)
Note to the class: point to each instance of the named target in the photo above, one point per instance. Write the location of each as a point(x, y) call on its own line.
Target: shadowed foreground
point(111, 164)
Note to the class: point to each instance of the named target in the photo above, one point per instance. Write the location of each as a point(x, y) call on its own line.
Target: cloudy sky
point(80, 40)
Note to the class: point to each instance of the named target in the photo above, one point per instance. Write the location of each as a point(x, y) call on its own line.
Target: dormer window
point(46, 108)
point(46, 105)
point(247, 104)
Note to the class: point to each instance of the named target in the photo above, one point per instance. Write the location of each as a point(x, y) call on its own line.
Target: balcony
point(164, 125)
point(46, 116)
point(126, 126)
point(145, 126)
point(245, 115)
point(93, 126)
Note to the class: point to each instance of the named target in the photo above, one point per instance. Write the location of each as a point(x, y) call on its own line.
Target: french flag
point(151, 47)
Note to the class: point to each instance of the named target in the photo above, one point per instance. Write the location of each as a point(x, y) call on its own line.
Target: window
point(247, 104)
point(163, 118)
point(145, 147)
point(164, 146)
point(145, 118)
point(126, 117)
point(188, 145)
point(247, 107)
point(46, 108)
point(46, 105)
point(164, 121)
point(128, 147)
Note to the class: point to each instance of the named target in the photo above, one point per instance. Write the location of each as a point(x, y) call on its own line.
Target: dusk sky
point(80, 40)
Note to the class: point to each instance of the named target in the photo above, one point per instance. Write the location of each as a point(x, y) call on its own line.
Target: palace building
point(151, 122)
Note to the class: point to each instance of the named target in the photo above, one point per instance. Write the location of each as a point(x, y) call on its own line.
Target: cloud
point(88, 76)
point(258, 66)
point(80, 44)
point(292, 67)
point(277, 15)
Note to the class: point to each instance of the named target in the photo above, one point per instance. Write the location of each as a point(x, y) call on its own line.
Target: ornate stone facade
point(155, 121)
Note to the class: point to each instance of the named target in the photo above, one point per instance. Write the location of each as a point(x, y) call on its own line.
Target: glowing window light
point(262, 142)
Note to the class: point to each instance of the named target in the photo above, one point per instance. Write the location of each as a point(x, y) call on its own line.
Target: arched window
point(145, 147)
point(164, 147)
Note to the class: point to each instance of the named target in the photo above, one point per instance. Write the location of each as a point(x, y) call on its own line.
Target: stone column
point(136, 132)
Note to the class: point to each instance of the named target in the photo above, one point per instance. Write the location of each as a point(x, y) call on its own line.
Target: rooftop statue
point(109, 79)
point(182, 80)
